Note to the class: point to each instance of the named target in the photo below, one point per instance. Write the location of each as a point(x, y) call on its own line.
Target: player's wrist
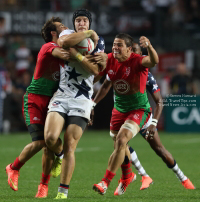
point(88, 33)
point(154, 122)
point(79, 57)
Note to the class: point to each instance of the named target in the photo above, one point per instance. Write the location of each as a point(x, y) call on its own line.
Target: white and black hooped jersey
point(75, 81)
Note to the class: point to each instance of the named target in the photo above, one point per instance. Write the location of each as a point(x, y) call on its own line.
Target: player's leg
point(75, 127)
point(128, 130)
point(34, 119)
point(146, 180)
point(47, 162)
point(127, 175)
point(53, 127)
point(166, 156)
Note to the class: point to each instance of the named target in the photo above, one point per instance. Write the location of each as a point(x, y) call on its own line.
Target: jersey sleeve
point(100, 46)
point(66, 32)
point(151, 84)
point(48, 48)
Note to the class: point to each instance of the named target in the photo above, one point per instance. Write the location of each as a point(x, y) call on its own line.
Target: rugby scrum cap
point(82, 12)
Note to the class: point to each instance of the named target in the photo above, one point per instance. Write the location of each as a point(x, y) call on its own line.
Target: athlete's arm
point(60, 53)
point(97, 78)
point(70, 40)
point(105, 87)
point(152, 59)
point(159, 104)
point(88, 65)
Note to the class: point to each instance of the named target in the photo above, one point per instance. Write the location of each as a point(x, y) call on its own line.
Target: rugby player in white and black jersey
point(71, 104)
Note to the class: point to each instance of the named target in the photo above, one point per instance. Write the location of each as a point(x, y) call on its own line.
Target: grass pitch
point(92, 156)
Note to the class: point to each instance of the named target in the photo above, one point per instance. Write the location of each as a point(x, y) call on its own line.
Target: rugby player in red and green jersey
point(151, 136)
point(35, 102)
point(128, 73)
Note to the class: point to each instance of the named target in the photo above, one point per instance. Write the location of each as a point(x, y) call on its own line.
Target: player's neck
point(124, 58)
point(55, 39)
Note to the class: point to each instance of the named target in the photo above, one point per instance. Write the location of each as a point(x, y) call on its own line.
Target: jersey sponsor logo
point(56, 76)
point(56, 103)
point(121, 86)
point(36, 119)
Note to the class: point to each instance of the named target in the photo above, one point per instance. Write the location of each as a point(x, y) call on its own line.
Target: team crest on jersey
point(56, 103)
point(56, 76)
point(121, 86)
point(111, 72)
point(128, 70)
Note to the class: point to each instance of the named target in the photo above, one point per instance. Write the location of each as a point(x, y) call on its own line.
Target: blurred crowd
point(180, 11)
point(16, 69)
point(17, 61)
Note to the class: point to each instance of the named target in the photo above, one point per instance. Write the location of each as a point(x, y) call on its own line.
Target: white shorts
point(60, 102)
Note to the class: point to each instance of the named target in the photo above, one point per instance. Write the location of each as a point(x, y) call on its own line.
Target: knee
point(50, 139)
point(120, 142)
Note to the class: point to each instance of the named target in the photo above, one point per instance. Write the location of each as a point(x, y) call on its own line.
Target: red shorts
point(34, 108)
point(139, 116)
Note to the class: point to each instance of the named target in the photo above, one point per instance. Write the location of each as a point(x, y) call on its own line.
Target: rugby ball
point(86, 46)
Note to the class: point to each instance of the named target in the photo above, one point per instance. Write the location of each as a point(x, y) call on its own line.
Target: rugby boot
point(42, 191)
point(13, 176)
point(146, 181)
point(61, 196)
point(123, 184)
point(56, 167)
point(188, 184)
point(101, 187)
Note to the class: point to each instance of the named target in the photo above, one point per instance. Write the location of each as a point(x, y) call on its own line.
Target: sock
point(16, 165)
point(178, 172)
point(63, 188)
point(126, 169)
point(60, 155)
point(108, 177)
point(45, 179)
point(135, 161)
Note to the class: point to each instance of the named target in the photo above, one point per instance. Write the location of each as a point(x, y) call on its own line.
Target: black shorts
point(36, 131)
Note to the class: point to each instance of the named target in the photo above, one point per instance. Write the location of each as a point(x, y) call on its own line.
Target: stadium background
point(171, 25)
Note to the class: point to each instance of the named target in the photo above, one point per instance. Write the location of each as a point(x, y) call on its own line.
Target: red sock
point(17, 164)
point(45, 179)
point(126, 171)
point(108, 177)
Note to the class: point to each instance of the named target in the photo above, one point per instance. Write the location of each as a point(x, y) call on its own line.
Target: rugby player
point(72, 102)
point(35, 105)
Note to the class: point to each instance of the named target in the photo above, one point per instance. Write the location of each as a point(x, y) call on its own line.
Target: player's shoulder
point(100, 46)
point(49, 44)
point(66, 32)
point(134, 56)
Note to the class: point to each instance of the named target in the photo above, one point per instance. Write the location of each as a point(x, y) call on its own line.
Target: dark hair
point(48, 27)
point(82, 12)
point(127, 39)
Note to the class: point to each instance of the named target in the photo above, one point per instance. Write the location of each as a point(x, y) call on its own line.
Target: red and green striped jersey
point(46, 75)
point(129, 82)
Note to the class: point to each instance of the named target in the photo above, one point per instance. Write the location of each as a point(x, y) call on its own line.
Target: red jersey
point(129, 82)
point(46, 76)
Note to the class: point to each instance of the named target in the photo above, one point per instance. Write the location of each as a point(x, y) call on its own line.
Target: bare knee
point(120, 142)
point(50, 139)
